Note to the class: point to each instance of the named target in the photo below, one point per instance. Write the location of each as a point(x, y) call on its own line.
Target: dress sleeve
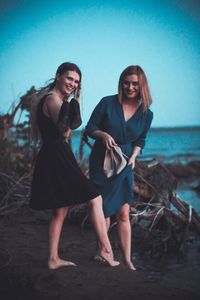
point(140, 142)
point(96, 118)
point(63, 118)
point(75, 115)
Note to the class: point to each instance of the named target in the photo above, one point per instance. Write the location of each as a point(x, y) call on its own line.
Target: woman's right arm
point(58, 111)
point(52, 107)
point(106, 138)
point(93, 128)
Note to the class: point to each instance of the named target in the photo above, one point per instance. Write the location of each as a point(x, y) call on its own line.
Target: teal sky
point(104, 37)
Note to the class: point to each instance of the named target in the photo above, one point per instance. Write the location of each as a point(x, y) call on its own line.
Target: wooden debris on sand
point(156, 207)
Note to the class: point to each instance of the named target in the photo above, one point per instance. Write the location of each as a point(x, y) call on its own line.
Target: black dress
point(57, 179)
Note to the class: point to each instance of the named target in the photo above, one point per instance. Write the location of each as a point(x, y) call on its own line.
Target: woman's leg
point(107, 223)
point(99, 224)
point(97, 257)
point(124, 231)
point(55, 228)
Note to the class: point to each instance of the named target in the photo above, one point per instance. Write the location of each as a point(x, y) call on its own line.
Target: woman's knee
point(123, 214)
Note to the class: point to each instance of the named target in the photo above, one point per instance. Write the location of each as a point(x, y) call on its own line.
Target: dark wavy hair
point(35, 99)
point(64, 67)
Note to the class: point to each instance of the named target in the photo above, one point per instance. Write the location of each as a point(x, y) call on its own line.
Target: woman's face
point(130, 87)
point(68, 82)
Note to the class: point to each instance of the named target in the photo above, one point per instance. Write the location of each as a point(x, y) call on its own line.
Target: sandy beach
point(24, 273)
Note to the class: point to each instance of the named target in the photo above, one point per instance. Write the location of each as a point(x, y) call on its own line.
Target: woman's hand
point(67, 134)
point(131, 162)
point(108, 140)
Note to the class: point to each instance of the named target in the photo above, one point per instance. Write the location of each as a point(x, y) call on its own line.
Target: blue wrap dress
point(108, 116)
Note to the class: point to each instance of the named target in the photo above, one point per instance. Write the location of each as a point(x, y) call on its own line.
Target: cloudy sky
point(103, 38)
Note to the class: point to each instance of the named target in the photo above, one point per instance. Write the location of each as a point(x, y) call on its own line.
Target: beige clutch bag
point(114, 161)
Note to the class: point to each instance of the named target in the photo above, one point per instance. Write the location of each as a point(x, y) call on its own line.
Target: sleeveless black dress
point(57, 179)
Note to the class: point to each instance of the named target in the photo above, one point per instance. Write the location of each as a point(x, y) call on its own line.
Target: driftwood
point(156, 205)
point(162, 221)
point(157, 211)
point(14, 193)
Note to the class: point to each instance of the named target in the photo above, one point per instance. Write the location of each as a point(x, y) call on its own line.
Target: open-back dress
point(57, 179)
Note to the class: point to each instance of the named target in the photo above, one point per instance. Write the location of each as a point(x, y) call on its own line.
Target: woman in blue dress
point(124, 120)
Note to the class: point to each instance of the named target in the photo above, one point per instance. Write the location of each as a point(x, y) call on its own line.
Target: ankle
point(106, 249)
point(53, 258)
point(127, 261)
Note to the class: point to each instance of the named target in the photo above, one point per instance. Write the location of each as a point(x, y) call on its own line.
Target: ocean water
point(171, 145)
point(180, 145)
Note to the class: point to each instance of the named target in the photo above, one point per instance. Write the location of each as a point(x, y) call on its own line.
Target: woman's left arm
point(136, 151)
point(140, 142)
point(74, 116)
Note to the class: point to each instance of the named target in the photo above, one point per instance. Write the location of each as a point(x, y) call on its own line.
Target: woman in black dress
point(58, 181)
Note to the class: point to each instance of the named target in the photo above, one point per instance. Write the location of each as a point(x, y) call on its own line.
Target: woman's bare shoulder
point(52, 106)
point(52, 100)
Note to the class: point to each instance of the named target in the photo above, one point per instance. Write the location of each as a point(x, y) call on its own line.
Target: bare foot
point(57, 263)
point(108, 259)
point(130, 266)
point(98, 257)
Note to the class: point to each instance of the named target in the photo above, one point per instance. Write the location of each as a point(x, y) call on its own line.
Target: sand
point(24, 273)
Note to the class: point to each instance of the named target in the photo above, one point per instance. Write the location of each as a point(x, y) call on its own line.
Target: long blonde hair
point(145, 95)
point(36, 97)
